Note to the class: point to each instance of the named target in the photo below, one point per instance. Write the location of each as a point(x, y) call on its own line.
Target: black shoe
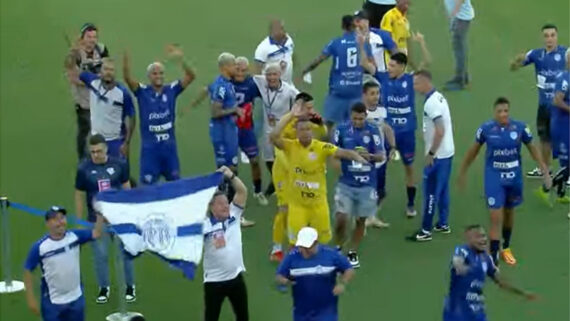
point(420, 236)
point(103, 296)
point(353, 259)
point(131, 294)
point(443, 229)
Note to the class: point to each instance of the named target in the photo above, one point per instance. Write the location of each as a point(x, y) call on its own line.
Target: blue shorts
point(73, 311)
point(406, 145)
point(316, 317)
point(159, 160)
point(337, 109)
point(247, 142)
point(502, 195)
point(224, 137)
point(461, 313)
point(560, 144)
point(114, 147)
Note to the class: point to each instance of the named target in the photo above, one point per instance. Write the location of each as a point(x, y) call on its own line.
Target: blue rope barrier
point(38, 212)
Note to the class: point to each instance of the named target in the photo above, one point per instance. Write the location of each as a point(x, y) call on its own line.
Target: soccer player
point(278, 97)
point(377, 114)
point(86, 55)
point(548, 63)
point(345, 80)
point(470, 266)
point(307, 158)
point(439, 151)
point(356, 188)
point(399, 99)
point(380, 40)
point(281, 170)
point(112, 109)
point(312, 270)
point(98, 173)
point(157, 104)
point(277, 48)
point(57, 253)
point(560, 122)
point(395, 21)
point(503, 173)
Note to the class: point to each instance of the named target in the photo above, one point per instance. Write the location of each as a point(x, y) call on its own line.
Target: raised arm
point(426, 55)
point(240, 196)
point(132, 83)
point(518, 61)
point(365, 62)
point(174, 53)
point(70, 66)
point(276, 137)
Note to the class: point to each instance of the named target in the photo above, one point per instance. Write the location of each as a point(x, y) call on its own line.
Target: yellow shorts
point(279, 176)
point(316, 216)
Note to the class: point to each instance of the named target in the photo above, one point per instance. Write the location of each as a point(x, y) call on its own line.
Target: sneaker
point(535, 173)
point(411, 212)
point(508, 257)
point(246, 223)
point(568, 183)
point(563, 200)
point(397, 156)
point(376, 222)
point(276, 256)
point(261, 199)
point(443, 229)
point(103, 296)
point(543, 195)
point(131, 294)
point(244, 159)
point(353, 259)
point(420, 236)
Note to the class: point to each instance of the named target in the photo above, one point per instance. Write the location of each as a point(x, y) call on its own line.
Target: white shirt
point(466, 11)
point(377, 117)
point(378, 49)
point(276, 103)
point(226, 262)
point(436, 107)
point(269, 51)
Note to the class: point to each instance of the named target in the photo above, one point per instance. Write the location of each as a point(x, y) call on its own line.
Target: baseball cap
point(307, 237)
point(361, 14)
point(52, 212)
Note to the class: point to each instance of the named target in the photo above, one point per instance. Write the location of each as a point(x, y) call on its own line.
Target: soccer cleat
point(261, 199)
point(131, 294)
point(568, 183)
point(543, 195)
point(246, 223)
point(276, 256)
point(243, 158)
point(420, 236)
point(563, 200)
point(508, 257)
point(376, 222)
point(411, 212)
point(535, 173)
point(103, 296)
point(443, 229)
point(353, 259)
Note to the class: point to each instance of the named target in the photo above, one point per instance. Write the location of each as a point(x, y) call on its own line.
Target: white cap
point(307, 237)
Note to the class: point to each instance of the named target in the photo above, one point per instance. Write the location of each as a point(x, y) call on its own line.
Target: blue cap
point(52, 212)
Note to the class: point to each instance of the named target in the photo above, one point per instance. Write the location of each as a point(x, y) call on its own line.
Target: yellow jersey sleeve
point(386, 23)
point(288, 145)
point(325, 149)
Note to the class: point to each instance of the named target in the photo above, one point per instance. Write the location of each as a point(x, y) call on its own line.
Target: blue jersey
point(246, 91)
point(547, 65)
point(348, 137)
point(345, 79)
point(503, 155)
point(157, 113)
point(465, 300)
point(222, 91)
point(93, 178)
point(398, 96)
point(560, 117)
point(314, 279)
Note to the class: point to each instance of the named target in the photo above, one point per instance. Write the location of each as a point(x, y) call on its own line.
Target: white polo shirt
point(223, 263)
point(59, 262)
point(378, 117)
point(269, 51)
point(276, 103)
point(436, 107)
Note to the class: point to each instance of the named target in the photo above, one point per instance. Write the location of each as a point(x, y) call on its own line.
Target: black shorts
point(376, 12)
point(543, 123)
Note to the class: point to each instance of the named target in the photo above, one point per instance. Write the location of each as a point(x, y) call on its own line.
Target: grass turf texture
point(398, 280)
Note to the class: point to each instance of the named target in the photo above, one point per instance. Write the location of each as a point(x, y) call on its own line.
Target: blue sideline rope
point(38, 212)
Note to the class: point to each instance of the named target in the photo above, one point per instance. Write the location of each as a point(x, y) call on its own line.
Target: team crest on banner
point(158, 232)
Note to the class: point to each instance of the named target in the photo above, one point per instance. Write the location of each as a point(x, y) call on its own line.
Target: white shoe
point(244, 159)
point(568, 183)
point(376, 222)
point(245, 223)
point(261, 199)
point(411, 212)
point(397, 156)
point(535, 173)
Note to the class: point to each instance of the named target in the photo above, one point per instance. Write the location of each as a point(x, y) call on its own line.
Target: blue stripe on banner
point(188, 230)
point(125, 228)
point(38, 212)
point(161, 192)
point(184, 230)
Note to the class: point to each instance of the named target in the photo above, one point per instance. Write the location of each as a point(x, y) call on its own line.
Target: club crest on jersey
point(164, 99)
point(484, 266)
point(557, 57)
point(404, 84)
point(514, 135)
point(312, 156)
point(110, 170)
point(366, 139)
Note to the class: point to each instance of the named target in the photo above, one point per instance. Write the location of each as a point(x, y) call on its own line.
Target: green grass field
point(398, 281)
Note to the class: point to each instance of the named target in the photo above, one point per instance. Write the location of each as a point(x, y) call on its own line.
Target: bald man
point(157, 102)
point(277, 48)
